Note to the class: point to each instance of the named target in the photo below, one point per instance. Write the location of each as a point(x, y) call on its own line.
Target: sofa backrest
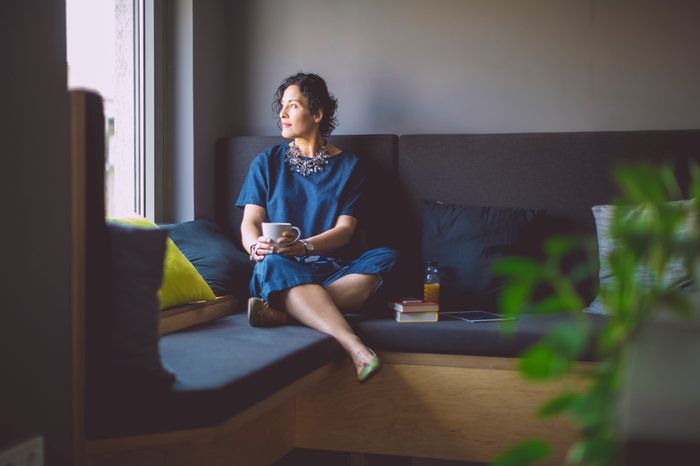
point(565, 173)
point(376, 151)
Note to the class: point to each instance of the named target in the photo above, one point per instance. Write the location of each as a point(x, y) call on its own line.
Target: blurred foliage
point(648, 232)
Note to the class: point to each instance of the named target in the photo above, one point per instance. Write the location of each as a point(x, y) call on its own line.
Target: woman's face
point(295, 119)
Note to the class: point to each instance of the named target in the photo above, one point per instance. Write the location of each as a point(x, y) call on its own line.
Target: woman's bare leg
point(351, 291)
point(314, 307)
point(348, 293)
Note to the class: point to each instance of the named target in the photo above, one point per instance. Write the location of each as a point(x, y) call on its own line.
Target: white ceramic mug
point(275, 230)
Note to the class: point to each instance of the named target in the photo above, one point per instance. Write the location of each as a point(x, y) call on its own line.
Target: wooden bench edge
point(191, 314)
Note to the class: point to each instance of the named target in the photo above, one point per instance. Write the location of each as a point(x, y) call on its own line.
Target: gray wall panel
point(35, 333)
point(456, 66)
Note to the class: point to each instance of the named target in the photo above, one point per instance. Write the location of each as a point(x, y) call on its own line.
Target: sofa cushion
point(465, 338)
point(221, 264)
point(676, 271)
point(465, 240)
point(222, 367)
point(182, 283)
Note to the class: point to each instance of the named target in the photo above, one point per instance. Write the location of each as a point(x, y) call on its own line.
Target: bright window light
point(100, 55)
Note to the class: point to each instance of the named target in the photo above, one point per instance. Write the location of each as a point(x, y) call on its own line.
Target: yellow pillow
point(181, 281)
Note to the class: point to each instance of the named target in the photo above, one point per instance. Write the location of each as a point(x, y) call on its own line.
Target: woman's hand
point(287, 247)
point(265, 246)
point(262, 248)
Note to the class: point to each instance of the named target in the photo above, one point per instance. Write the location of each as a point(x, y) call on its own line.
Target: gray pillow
point(675, 271)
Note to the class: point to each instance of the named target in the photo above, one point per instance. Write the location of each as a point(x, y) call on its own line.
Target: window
point(106, 52)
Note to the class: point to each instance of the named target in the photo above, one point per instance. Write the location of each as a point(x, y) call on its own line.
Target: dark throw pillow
point(465, 240)
point(124, 372)
point(131, 328)
point(224, 267)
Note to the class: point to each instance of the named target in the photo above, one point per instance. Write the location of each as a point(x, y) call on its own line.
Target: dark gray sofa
point(226, 369)
point(565, 173)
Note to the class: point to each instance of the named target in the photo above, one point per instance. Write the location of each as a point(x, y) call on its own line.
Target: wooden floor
point(305, 457)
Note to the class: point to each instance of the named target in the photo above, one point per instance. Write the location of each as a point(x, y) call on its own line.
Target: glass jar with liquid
point(431, 282)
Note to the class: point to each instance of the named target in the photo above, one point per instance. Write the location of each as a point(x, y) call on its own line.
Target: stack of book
point(414, 310)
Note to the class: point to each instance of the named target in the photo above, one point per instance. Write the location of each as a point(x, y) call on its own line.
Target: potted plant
point(651, 246)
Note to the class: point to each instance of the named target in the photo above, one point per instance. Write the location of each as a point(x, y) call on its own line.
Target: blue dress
point(313, 203)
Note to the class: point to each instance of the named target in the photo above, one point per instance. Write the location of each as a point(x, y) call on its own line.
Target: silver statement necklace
point(306, 165)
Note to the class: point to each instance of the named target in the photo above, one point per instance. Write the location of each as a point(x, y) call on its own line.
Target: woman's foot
point(366, 364)
point(260, 314)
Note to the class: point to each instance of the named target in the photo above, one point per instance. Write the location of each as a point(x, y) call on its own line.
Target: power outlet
point(29, 453)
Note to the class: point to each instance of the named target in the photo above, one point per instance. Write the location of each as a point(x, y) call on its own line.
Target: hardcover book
point(410, 305)
point(416, 316)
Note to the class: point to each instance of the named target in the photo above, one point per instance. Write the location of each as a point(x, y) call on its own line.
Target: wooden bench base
point(467, 408)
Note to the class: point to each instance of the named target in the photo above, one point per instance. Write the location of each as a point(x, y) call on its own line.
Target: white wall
point(454, 66)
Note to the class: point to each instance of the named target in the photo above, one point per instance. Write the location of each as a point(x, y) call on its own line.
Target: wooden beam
point(78, 151)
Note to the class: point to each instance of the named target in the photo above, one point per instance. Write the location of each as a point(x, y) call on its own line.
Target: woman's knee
point(384, 258)
point(360, 285)
point(359, 281)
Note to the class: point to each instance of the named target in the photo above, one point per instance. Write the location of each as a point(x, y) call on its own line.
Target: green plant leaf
point(641, 183)
point(569, 340)
point(559, 246)
point(549, 305)
point(515, 298)
point(695, 177)
point(524, 454)
point(595, 407)
point(558, 404)
point(668, 180)
point(596, 451)
point(558, 303)
point(612, 336)
point(542, 361)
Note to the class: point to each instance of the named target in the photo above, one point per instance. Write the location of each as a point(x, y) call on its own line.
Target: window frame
point(151, 105)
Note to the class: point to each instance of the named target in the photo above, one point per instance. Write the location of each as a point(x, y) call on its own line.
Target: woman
point(316, 187)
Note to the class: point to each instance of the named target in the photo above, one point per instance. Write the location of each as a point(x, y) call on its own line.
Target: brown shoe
point(260, 314)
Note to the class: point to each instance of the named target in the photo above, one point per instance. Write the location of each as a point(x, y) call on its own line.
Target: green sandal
point(369, 369)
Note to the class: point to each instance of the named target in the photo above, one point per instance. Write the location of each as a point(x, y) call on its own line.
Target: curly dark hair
point(316, 92)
